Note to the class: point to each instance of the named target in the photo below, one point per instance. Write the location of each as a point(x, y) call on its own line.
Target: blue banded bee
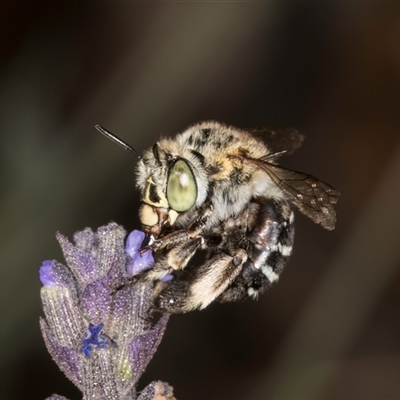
point(218, 190)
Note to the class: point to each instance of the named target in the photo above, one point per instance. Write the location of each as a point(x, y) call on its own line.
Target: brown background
point(331, 327)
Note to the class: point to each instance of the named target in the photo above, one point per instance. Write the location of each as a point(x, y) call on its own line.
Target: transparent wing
point(314, 198)
point(278, 140)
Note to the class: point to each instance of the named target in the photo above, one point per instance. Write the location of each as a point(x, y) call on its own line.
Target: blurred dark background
point(331, 327)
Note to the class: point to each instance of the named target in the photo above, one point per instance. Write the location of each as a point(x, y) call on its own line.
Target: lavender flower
point(100, 338)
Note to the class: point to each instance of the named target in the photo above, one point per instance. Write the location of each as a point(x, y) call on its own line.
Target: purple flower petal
point(139, 262)
point(94, 339)
point(167, 278)
point(46, 273)
point(134, 242)
point(54, 274)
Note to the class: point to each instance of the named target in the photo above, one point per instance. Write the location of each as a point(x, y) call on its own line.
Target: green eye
point(181, 187)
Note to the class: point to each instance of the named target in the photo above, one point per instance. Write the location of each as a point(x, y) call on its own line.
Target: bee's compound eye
point(148, 215)
point(181, 187)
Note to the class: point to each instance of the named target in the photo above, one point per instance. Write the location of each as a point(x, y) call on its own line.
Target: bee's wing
point(278, 140)
point(311, 196)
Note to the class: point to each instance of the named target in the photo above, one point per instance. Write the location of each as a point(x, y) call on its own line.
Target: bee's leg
point(250, 283)
point(204, 286)
point(174, 259)
point(271, 240)
point(168, 241)
point(181, 246)
point(181, 236)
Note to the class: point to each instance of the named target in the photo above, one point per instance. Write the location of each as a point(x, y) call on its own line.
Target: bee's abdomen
point(272, 237)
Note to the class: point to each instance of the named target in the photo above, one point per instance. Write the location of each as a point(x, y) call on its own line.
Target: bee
point(218, 191)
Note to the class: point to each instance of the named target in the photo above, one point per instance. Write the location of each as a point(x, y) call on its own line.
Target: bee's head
point(172, 181)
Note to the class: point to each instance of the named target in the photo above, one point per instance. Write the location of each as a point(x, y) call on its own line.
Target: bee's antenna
point(117, 140)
